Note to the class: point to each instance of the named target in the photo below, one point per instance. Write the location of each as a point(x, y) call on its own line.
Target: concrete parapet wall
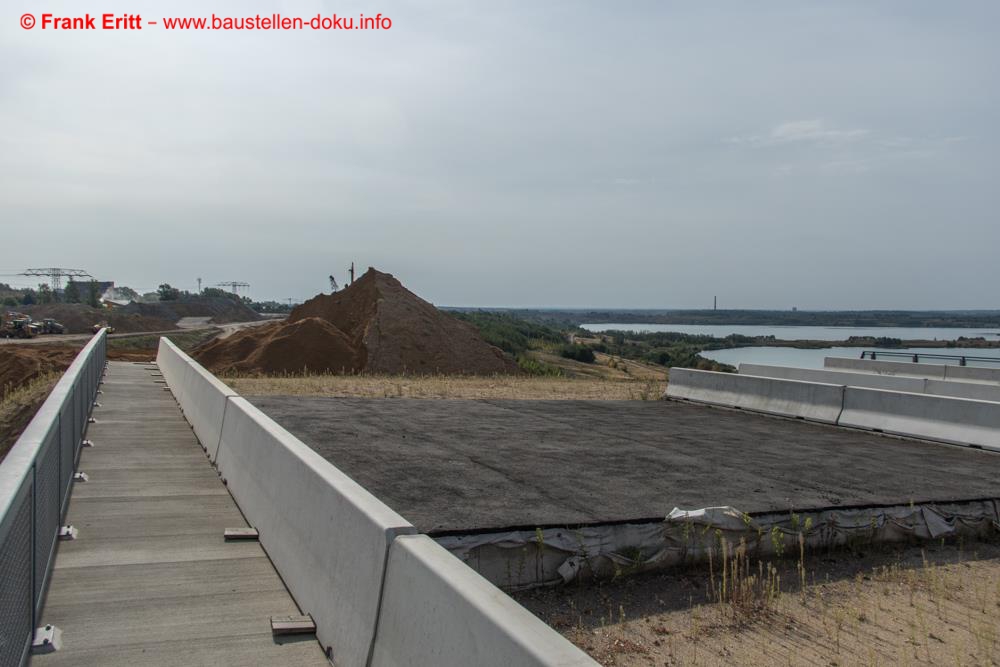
point(789, 398)
point(874, 381)
point(972, 373)
point(887, 367)
point(977, 391)
point(327, 536)
point(954, 420)
point(201, 395)
point(173, 365)
point(437, 611)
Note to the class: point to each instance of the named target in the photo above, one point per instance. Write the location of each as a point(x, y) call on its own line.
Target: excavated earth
point(20, 364)
point(374, 326)
point(80, 318)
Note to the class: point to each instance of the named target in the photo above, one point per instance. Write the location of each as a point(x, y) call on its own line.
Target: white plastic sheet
point(524, 559)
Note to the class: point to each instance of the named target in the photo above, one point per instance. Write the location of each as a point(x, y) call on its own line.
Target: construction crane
point(234, 286)
point(56, 275)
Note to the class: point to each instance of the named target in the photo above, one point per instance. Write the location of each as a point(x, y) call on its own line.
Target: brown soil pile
point(309, 345)
point(19, 364)
point(220, 310)
point(374, 326)
point(80, 318)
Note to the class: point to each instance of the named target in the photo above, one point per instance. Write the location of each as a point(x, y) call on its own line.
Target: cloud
point(815, 131)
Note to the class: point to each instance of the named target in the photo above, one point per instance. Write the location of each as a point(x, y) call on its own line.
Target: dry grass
point(450, 386)
point(606, 367)
point(931, 605)
point(20, 405)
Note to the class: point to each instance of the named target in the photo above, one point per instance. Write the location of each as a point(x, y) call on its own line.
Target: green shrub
point(509, 333)
point(578, 353)
point(535, 367)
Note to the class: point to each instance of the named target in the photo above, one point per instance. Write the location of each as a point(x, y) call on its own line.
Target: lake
point(804, 333)
point(790, 356)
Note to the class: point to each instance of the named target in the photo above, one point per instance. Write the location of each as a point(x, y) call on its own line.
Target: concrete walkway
point(150, 579)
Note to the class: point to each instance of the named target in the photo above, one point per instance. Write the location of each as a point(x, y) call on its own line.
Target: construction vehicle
point(50, 326)
point(18, 325)
point(103, 325)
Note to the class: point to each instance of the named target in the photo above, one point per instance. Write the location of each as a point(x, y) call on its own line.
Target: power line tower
point(351, 271)
point(333, 284)
point(234, 286)
point(56, 275)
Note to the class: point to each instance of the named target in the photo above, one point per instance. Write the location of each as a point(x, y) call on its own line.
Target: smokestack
point(715, 303)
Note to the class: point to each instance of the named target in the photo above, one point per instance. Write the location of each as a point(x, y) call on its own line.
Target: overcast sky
point(639, 154)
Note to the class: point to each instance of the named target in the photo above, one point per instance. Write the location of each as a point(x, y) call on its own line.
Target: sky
point(655, 154)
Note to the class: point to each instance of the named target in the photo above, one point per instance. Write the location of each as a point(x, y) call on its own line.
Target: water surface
point(805, 333)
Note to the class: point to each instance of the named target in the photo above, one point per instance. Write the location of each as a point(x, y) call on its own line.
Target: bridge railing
point(915, 357)
point(35, 481)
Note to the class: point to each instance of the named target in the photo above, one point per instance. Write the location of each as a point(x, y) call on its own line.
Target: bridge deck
point(150, 579)
point(467, 466)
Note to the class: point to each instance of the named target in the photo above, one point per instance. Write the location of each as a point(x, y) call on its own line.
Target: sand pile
point(374, 326)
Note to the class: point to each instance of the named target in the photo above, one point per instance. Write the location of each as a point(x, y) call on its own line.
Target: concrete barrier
point(201, 395)
point(888, 382)
point(954, 420)
point(886, 367)
point(790, 398)
point(173, 365)
point(436, 611)
point(977, 391)
point(327, 536)
point(976, 373)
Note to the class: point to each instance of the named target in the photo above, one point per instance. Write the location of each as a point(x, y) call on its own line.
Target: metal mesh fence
point(16, 617)
point(67, 452)
point(34, 486)
point(47, 508)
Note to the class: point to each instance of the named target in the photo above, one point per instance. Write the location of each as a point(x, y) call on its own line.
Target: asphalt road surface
point(452, 465)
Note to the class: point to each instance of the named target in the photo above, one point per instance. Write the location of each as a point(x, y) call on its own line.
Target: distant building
point(83, 287)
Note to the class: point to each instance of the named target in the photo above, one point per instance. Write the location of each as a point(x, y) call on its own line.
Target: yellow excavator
point(18, 325)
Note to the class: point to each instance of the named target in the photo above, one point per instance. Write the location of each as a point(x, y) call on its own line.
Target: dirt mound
point(375, 326)
point(311, 345)
point(221, 310)
point(80, 318)
point(19, 364)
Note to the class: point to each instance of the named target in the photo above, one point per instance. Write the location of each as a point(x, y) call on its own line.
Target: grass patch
point(929, 603)
point(538, 387)
point(186, 340)
point(20, 405)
